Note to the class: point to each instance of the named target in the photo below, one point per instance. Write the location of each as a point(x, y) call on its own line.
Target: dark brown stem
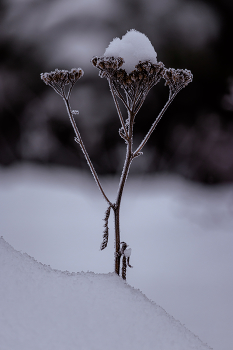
point(117, 240)
point(124, 175)
point(124, 267)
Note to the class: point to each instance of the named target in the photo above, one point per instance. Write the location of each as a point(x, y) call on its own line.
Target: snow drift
point(47, 309)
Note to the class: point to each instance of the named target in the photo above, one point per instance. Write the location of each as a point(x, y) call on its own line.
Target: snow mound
point(42, 308)
point(133, 47)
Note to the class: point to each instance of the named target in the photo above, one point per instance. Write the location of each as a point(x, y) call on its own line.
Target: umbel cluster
point(142, 78)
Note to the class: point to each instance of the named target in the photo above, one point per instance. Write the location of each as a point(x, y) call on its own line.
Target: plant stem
point(118, 108)
point(80, 142)
point(124, 175)
point(153, 126)
point(117, 240)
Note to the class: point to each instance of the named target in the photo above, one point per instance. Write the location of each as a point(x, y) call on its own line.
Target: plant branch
point(78, 139)
point(117, 91)
point(118, 109)
point(69, 92)
point(124, 175)
point(153, 126)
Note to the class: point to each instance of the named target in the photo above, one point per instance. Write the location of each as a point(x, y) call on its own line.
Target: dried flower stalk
point(132, 90)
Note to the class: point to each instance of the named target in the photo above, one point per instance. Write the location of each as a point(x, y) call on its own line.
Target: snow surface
point(133, 47)
point(181, 235)
point(45, 309)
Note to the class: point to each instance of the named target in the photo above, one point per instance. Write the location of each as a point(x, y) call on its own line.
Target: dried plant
point(131, 89)
point(105, 235)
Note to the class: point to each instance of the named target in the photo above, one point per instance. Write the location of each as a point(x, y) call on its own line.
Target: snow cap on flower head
point(133, 48)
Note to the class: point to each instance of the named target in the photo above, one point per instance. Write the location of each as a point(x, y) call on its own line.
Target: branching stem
point(118, 108)
point(130, 155)
point(136, 86)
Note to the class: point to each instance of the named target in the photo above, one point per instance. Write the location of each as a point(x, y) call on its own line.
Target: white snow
point(181, 235)
point(133, 47)
point(127, 252)
point(45, 309)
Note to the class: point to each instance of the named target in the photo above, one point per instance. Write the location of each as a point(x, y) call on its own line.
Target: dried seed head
point(136, 84)
point(145, 75)
point(60, 78)
point(75, 74)
point(94, 61)
point(177, 79)
point(107, 65)
point(110, 67)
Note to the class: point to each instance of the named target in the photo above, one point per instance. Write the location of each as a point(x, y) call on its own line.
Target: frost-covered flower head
point(58, 79)
point(131, 64)
point(133, 48)
point(62, 77)
point(177, 79)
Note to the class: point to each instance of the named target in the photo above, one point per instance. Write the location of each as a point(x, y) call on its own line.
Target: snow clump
point(127, 253)
point(133, 47)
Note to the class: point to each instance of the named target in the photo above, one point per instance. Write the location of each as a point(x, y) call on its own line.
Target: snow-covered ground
point(45, 309)
point(181, 235)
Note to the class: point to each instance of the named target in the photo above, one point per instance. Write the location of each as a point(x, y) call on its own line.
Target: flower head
point(130, 64)
point(107, 65)
point(58, 79)
point(135, 84)
point(177, 79)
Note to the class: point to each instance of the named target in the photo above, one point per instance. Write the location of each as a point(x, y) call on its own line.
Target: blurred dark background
point(194, 138)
